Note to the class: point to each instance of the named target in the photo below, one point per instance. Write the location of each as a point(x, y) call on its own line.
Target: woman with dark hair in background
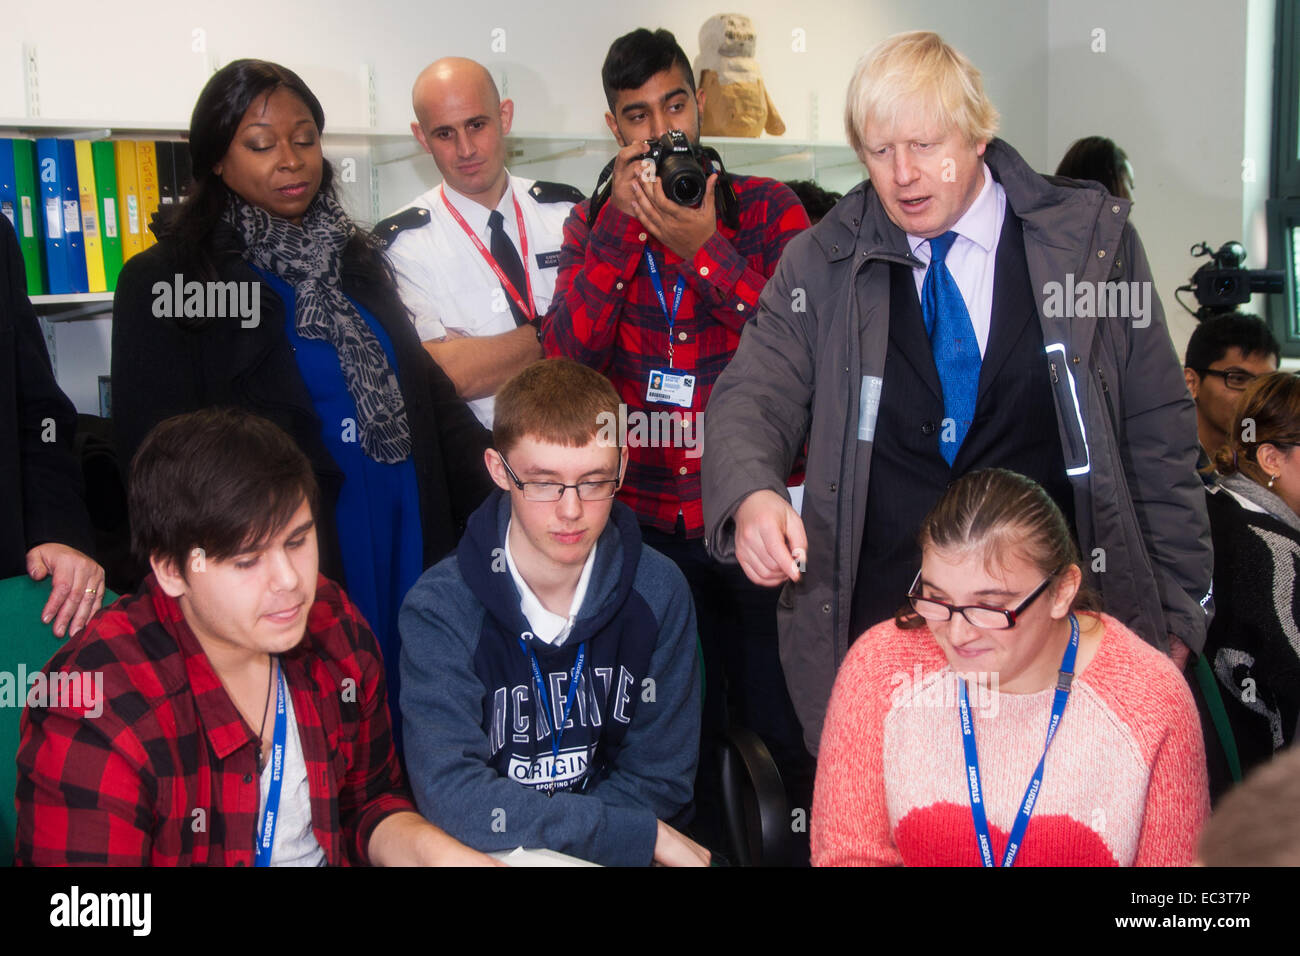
point(261, 293)
point(1099, 159)
point(996, 722)
point(1253, 644)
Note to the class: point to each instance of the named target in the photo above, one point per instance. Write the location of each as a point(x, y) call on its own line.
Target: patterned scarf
point(308, 257)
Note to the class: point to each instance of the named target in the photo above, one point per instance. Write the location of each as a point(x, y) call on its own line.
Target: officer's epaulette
point(387, 230)
point(555, 192)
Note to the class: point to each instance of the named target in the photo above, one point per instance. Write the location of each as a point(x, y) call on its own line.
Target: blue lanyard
point(558, 731)
point(1063, 680)
point(266, 828)
point(659, 291)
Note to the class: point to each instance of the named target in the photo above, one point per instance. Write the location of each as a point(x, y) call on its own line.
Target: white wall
point(1170, 88)
point(1257, 138)
point(550, 64)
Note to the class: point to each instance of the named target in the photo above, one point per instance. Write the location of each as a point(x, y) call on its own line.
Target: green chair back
point(26, 646)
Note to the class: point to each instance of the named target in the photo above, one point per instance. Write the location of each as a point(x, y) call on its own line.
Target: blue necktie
point(952, 338)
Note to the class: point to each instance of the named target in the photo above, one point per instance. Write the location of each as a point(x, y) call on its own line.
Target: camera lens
point(1226, 286)
point(683, 179)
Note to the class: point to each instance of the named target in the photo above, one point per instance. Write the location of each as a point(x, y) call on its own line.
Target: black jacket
point(40, 481)
point(162, 369)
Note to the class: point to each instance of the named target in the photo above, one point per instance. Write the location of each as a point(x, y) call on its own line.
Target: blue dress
point(378, 511)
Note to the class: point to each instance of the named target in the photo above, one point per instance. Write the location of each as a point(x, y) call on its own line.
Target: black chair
point(754, 803)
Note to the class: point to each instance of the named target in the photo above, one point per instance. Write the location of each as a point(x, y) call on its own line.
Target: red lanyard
point(525, 307)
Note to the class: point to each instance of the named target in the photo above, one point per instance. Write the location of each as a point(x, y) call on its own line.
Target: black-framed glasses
point(554, 490)
point(1234, 378)
point(979, 615)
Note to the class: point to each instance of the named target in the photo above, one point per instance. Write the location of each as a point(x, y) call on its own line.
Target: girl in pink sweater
point(933, 748)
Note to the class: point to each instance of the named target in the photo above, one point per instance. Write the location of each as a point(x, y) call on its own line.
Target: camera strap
point(604, 188)
point(724, 194)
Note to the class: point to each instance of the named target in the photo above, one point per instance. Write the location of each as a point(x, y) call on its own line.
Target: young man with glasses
point(1224, 355)
point(552, 696)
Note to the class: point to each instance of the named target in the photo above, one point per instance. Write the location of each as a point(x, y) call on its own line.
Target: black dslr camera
point(679, 165)
point(684, 171)
point(1222, 284)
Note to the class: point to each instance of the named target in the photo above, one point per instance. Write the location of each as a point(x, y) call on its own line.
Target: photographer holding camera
point(658, 278)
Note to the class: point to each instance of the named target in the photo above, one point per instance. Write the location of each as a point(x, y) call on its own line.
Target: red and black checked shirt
point(167, 774)
point(605, 314)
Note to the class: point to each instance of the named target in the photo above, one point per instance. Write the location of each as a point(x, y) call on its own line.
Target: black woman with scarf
point(262, 293)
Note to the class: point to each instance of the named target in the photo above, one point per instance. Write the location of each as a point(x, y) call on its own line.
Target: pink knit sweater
point(1125, 779)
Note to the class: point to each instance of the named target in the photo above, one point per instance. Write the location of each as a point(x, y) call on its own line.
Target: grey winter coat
point(1127, 423)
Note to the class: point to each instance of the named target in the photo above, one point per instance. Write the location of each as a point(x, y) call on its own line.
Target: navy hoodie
point(478, 738)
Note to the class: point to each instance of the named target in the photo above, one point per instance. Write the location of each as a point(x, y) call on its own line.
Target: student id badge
point(670, 386)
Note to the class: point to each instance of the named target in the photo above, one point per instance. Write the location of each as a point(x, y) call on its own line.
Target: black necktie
point(507, 257)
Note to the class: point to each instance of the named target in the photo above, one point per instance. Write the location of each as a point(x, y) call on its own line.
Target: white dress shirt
point(449, 287)
point(476, 215)
point(549, 627)
point(972, 260)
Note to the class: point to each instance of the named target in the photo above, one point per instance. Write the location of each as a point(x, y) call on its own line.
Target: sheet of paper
point(521, 857)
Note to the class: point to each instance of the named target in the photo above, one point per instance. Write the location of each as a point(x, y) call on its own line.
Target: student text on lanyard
point(557, 730)
point(658, 284)
point(266, 829)
point(1026, 810)
point(526, 307)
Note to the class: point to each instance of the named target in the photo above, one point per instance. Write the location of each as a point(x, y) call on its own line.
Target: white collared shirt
point(972, 260)
point(446, 283)
point(476, 215)
point(549, 627)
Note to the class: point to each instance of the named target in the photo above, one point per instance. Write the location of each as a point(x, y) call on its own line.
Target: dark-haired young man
point(233, 711)
point(552, 688)
point(655, 292)
point(1225, 353)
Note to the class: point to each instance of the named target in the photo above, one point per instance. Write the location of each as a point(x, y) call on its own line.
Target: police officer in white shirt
point(459, 249)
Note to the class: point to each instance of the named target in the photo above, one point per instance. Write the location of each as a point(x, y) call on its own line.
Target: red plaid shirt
point(605, 314)
point(167, 774)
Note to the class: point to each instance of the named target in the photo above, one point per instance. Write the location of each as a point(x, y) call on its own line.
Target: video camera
point(1222, 284)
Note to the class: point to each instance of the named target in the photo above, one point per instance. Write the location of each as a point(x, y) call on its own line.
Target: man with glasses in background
point(551, 691)
point(1224, 355)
